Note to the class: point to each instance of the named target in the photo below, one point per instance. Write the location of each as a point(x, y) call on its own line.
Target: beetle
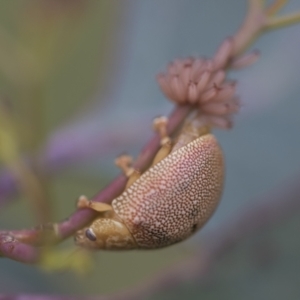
point(168, 202)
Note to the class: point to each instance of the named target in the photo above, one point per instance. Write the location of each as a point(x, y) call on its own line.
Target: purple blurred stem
point(10, 247)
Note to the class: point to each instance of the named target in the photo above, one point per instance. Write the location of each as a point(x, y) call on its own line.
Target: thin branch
point(275, 7)
point(256, 5)
point(258, 20)
point(251, 27)
point(11, 248)
point(283, 21)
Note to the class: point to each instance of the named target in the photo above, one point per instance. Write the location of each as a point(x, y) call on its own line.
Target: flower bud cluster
point(202, 82)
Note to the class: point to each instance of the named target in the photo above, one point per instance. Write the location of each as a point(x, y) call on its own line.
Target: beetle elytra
point(169, 201)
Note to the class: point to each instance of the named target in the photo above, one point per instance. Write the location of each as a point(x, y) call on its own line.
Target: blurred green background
point(79, 77)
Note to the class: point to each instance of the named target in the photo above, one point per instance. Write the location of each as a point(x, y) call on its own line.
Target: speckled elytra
point(168, 202)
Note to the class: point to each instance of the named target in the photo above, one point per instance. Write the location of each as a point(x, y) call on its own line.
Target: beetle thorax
point(106, 233)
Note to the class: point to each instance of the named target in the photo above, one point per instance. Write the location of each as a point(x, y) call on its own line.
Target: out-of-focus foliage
point(264, 266)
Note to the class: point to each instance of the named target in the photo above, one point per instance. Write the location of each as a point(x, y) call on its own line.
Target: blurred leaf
point(75, 260)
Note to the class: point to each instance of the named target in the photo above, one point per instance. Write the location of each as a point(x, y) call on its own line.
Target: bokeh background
point(78, 78)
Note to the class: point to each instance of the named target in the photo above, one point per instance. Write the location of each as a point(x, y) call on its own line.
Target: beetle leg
point(84, 202)
point(163, 152)
point(133, 177)
point(124, 162)
point(160, 125)
point(192, 129)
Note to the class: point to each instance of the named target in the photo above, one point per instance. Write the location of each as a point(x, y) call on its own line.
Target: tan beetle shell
point(175, 197)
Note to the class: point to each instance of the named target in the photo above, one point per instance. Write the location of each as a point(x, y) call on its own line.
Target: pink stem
point(82, 217)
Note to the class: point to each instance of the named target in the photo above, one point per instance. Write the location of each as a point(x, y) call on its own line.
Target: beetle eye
point(89, 233)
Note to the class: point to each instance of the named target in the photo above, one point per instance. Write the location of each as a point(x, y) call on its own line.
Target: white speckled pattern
point(175, 197)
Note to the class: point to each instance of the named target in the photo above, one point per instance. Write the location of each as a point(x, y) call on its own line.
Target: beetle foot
point(84, 202)
point(163, 152)
point(124, 162)
point(136, 174)
point(160, 126)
